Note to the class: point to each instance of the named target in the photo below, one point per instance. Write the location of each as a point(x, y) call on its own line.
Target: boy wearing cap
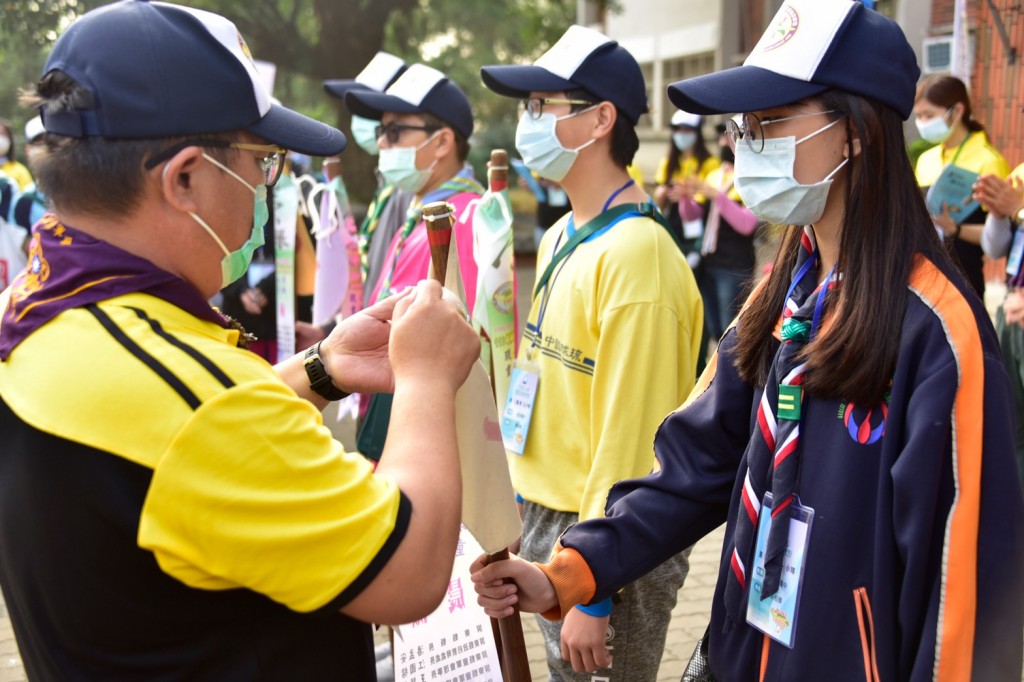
point(611, 338)
point(171, 505)
point(423, 136)
point(854, 430)
point(30, 205)
point(425, 124)
point(389, 205)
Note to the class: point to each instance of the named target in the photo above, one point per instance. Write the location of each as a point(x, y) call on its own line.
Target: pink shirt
point(414, 259)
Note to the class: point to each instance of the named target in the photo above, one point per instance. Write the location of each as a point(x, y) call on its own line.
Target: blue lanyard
point(819, 304)
point(546, 281)
point(601, 220)
point(571, 228)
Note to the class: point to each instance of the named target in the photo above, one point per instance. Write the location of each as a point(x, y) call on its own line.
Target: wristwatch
point(1018, 217)
point(319, 379)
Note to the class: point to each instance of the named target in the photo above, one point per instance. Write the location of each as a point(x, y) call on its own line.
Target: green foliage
point(458, 37)
point(313, 40)
point(27, 29)
point(917, 147)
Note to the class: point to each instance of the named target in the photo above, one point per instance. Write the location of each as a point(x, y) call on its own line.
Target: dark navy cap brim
point(739, 89)
point(372, 105)
point(298, 133)
point(340, 88)
point(520, 81)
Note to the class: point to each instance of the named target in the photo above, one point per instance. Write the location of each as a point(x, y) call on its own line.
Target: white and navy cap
point(383, 70)
point(159, 70)
point(421, 89)
point(582, 58)
point(809, 47)
point(685, 118)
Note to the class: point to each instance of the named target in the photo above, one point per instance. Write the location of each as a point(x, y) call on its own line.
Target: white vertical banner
point(455, 643)
point(286, 214)
point(961, 57)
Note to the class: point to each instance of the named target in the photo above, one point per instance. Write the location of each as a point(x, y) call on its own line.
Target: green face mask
point(364, 132)
point(234, 263)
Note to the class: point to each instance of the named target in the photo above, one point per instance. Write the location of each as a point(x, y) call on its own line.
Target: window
point(678, 69)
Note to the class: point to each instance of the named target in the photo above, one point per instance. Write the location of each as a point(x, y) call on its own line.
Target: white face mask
point(398, 166)
point(5, 145)
point(935, 130)
point(766, 184)
point(538, 144)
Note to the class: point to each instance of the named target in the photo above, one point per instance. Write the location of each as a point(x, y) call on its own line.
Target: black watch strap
point(319, 379)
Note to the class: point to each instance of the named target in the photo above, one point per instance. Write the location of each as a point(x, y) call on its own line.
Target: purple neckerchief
point(70, 269)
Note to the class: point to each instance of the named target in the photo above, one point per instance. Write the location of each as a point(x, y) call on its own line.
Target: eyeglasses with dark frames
point(752, 130)
point(272, 164)
point(535, 105)
point(392, 132)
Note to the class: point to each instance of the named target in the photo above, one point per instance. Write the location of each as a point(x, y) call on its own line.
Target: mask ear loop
point(230, 172)
point(202, 223)
point(819, 131)
point(577, 113)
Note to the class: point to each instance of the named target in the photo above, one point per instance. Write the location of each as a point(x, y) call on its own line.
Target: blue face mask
point(537, 142)
point(766, 184)
point(234, 263)
point(935, 130)
point(364, 132)
point(684, 141)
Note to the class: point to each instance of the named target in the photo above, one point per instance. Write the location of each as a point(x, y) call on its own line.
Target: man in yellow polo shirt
point(171, 507)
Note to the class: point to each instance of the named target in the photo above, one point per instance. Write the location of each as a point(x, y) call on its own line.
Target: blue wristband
point(519, 498)
point(597, 609)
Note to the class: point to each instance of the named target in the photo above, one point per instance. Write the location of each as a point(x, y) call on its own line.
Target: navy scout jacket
point(914, 565)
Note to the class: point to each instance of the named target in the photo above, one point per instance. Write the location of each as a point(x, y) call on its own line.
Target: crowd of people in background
point(784, 332)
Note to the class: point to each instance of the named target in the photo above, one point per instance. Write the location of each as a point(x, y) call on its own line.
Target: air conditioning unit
point(937, 54)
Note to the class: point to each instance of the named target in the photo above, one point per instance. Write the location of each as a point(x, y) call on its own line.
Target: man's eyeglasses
point(272, 163)
point(752, 129)
point(535, 105)
point(392, 132)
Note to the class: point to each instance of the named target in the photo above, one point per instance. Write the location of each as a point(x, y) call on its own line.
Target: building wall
point(998, 83)
point(672, 40)
point(997, 86)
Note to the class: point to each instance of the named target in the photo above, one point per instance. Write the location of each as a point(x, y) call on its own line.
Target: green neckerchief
point(369, 226)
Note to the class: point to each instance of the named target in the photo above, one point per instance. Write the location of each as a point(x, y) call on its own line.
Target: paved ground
point(689, 618)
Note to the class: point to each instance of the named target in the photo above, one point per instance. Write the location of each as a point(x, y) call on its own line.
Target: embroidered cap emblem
point(784, 28)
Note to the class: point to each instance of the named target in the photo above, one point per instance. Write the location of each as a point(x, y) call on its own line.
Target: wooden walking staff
point(515, 663)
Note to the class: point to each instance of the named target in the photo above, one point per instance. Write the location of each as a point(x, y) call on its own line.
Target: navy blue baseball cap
point(158, 70)
point(582, 58)
point(809, 47)
point(383, 70)
point(421, 89)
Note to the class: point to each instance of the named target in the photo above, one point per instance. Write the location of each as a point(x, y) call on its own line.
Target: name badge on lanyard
point(1016, 252)
point(776, 616)
point(522, 394)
